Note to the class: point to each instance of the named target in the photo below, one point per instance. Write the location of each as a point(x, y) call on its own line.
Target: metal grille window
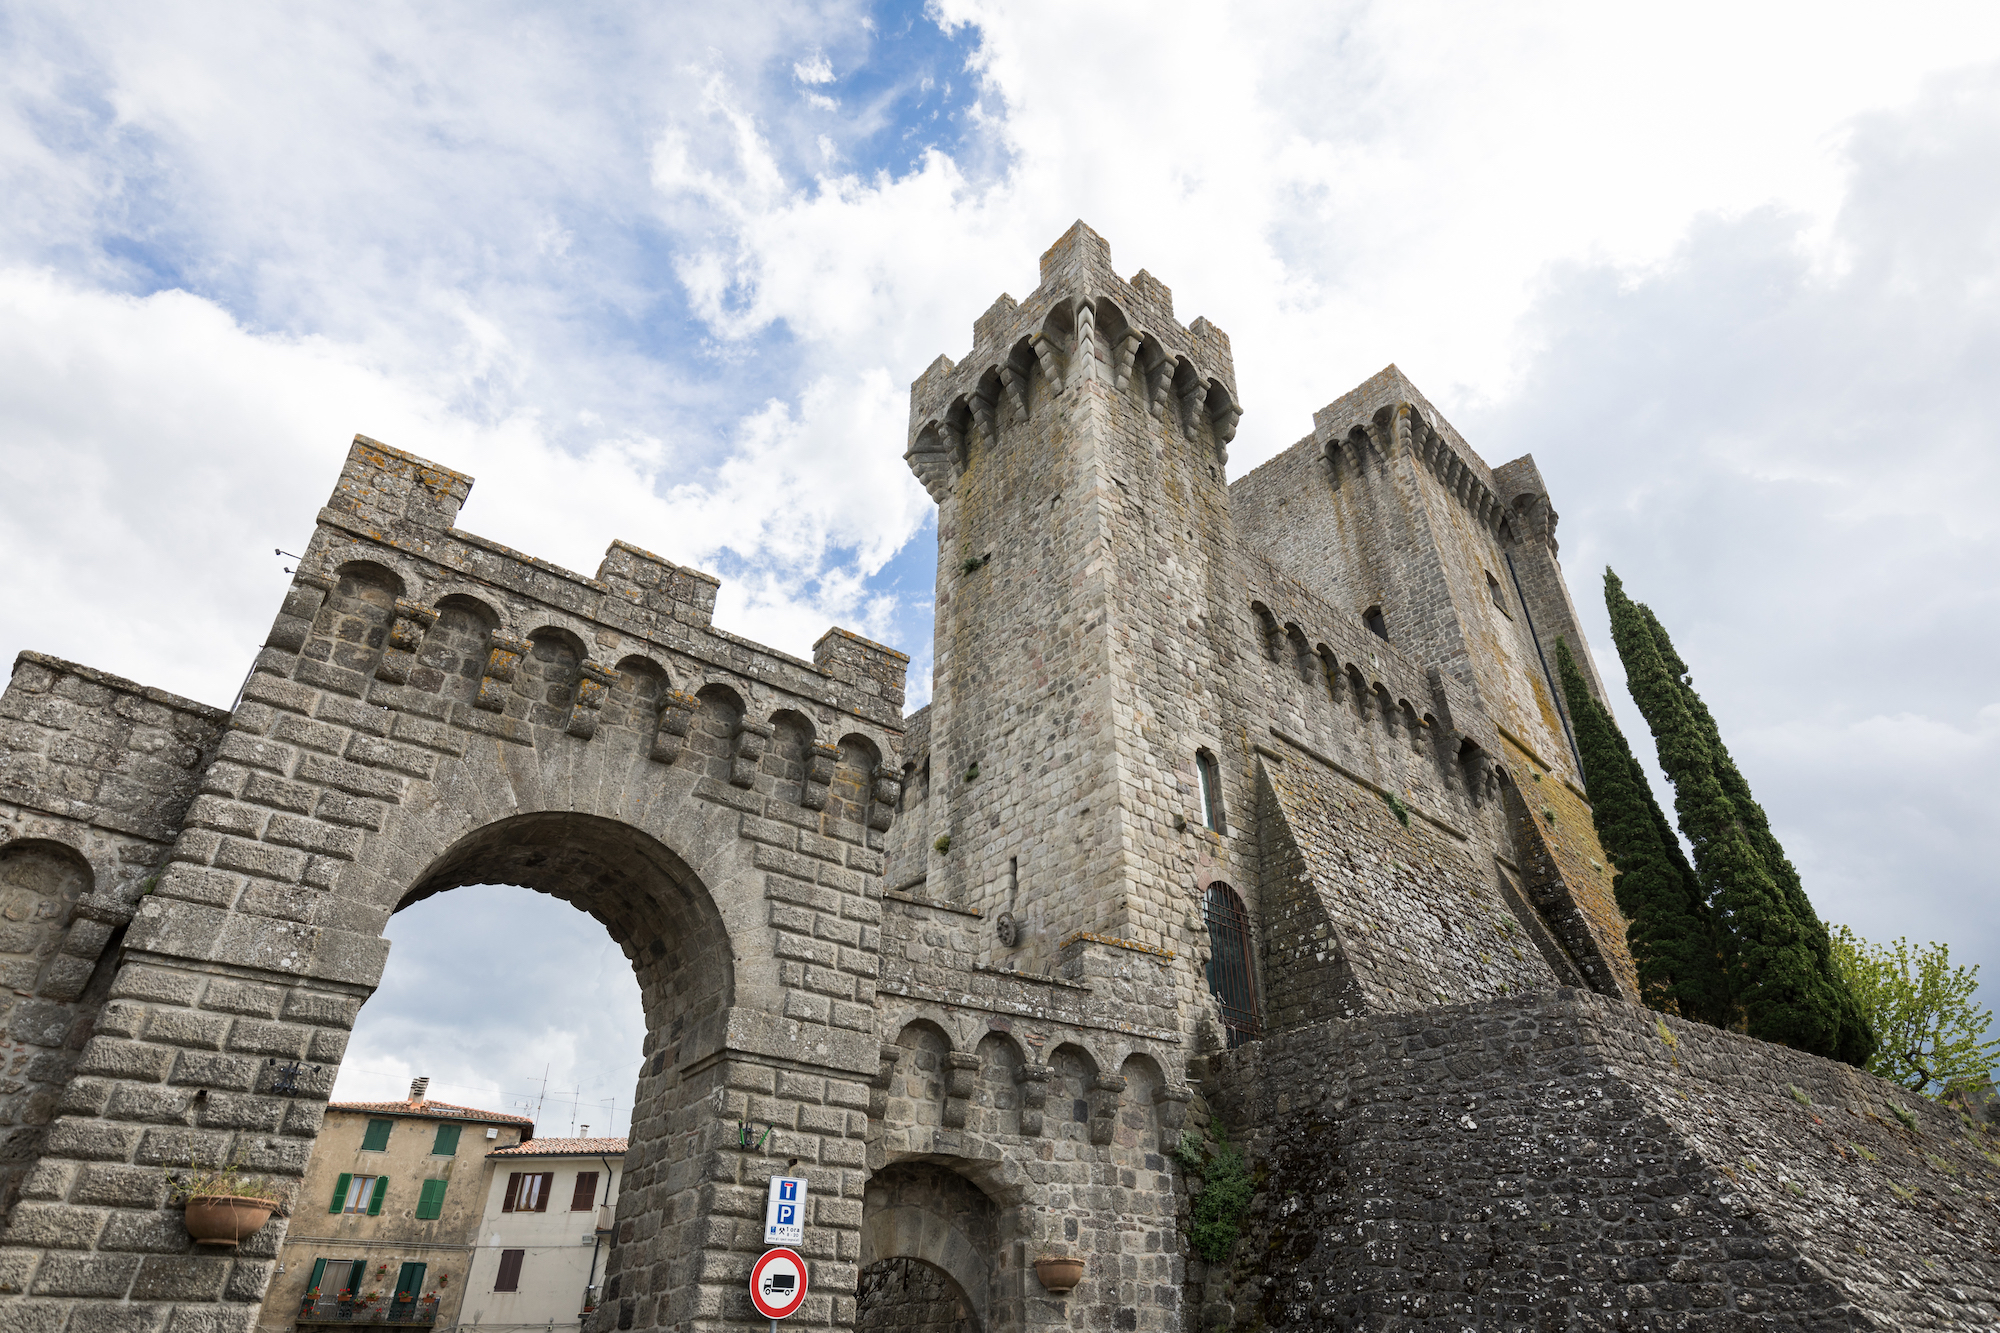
point(1231, 979)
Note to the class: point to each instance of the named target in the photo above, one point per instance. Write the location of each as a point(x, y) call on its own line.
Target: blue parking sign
point(785, 1211)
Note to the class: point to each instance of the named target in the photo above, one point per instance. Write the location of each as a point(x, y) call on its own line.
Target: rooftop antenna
point(544, 1093)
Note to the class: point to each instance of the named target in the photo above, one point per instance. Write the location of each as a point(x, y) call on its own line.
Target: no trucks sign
point(778, 1283)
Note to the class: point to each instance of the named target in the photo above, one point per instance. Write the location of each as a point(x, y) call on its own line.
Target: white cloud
point(1686, 258)
point(814, 69)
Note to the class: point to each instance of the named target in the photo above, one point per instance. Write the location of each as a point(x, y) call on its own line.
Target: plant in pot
point(224, 1207)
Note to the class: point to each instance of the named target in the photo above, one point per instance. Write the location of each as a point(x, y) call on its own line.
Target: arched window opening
point(1208, 778)
point(1377, 626)
point(1231, 978)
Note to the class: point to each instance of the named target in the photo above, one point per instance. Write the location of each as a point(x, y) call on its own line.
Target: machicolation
point(1243, 806)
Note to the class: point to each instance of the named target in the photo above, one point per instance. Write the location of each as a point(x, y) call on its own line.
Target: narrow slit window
point(1377, 625)
point(1231, 976)
point(1208, 778)
point(1493, 591)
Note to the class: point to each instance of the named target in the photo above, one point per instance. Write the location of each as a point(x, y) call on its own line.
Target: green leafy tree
point(1780, 964)
point(1933, 1035)
point(1672, 933)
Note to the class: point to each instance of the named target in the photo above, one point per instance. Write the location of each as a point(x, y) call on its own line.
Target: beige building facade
point(388, 1214)
point(545, 1235)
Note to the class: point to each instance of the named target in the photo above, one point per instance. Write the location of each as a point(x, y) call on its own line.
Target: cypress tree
point(1672, 934)
point(1788, 989)
point(1857, 1041)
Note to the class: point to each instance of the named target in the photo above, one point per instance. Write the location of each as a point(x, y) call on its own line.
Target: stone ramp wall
point(1561, 1161)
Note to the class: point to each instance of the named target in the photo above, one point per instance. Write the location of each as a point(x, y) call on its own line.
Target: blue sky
point(664, 273)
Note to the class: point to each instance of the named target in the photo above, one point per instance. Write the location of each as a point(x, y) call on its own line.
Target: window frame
point(1231, 972)
point(585, 1188)
point(1208, 791)
point(505, 1280)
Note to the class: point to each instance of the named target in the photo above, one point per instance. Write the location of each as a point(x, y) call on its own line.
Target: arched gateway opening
point(930, 1249)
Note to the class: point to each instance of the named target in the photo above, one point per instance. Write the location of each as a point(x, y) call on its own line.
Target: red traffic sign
point(778, 1283)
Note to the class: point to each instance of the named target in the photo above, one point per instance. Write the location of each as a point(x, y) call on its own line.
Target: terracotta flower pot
point(225, 1219)
point(1059, 1275)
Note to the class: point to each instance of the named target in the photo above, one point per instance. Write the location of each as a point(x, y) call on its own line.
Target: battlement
point(391, 511)
point(1081, 324)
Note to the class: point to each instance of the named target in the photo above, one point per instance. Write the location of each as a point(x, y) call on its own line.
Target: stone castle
point(1241, 808)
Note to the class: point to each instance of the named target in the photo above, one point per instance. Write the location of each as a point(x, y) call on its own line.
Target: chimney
point(586, 1131)
point(418, 1087)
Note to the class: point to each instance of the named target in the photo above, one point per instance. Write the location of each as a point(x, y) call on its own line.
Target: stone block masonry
point(1243, 805)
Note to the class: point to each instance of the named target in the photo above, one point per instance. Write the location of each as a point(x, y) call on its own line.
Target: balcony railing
point(331, 1310)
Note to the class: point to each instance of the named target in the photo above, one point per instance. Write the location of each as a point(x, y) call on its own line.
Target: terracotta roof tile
point(563, 1148)
point(432, 1109)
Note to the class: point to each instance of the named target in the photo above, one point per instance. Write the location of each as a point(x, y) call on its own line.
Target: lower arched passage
point(904, 1295)
point(931, 1240)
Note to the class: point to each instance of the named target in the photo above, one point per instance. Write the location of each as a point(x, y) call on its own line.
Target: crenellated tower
point(1084, 575)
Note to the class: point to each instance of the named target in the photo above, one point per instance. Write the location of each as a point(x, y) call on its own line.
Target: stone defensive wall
point(96, 774)
point(1564, 1161)
point(431, 710)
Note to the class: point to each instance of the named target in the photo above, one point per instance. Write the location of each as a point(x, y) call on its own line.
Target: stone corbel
point(503, 653)
point(1033, 1081)
point(1123, 356)
point(751, 738)
point(1050, 356)
point(293, 626)
point(1170, 1108)
point(882, 809)
point(1016, 387)
point(1477, 768)
point(878, 1087)
point(590, 690)
point(983, 416)
point(821, 761)
point(1225, 415)
point(1160, 384)
point(94, 919)
point(954, 443)
point(1105, 1092)
point(677, 713)
point(1191, 405)
point(962, 1075)
point(1083, 358)
point(406, 632)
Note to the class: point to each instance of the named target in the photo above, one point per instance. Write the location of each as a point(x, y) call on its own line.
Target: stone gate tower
point(1240, 804)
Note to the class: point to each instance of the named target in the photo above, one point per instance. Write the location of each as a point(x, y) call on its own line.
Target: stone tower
point(1085, 604)
point(1239, 804)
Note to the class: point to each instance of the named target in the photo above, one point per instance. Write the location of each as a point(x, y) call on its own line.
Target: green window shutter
point(430, 1201)
point(377, 1137)
point(447, 1141)
point(319, 1272)
point(381, 1193)
point(340, 1191)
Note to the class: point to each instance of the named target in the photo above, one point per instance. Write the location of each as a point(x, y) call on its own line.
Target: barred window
point(1231, 977)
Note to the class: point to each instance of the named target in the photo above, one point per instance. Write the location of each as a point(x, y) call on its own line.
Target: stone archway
point(930, 1242)
point(429, 711)
point(904, 1295)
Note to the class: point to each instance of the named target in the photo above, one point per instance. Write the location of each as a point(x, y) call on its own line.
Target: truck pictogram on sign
point(778, 1283)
